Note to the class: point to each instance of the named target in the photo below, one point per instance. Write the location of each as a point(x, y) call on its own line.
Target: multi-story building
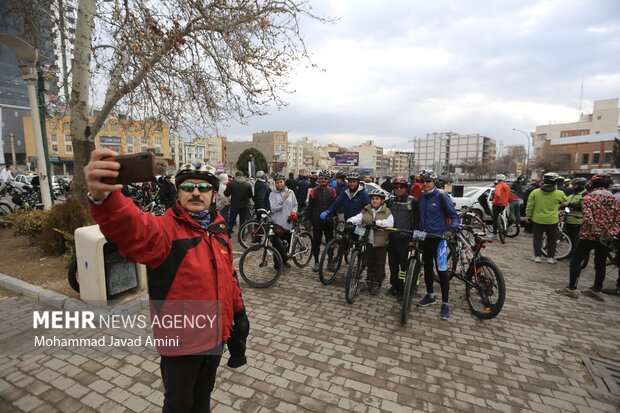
point(584, 147)
point(273, 144)
point(207, 150)
point(295, 157)
point(370, 158)
point(438, 151)
point(233, 151)
point(63, 32)
point(177, 157)
point(122, 135)
point(401, 163)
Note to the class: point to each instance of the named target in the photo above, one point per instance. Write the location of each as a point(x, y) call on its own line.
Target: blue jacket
point(434, 213)
point(351, 205)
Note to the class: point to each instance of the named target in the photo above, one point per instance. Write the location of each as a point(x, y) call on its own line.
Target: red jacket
point(184, 262)
point(502, 194)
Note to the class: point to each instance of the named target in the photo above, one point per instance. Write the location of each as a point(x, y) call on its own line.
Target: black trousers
point(429, 255)
point(552, 231)
point(188, 382)
point(398, 252)
point(375, 264)
point(320, 228)
point(573, 232)
point(497, 209)
point(279, 245)
point(584, 246)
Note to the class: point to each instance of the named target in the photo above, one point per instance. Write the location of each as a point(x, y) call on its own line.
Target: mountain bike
point(261, 265)
point(252, 231)
point(357, 263)
point(506, 227)
point(336, 250)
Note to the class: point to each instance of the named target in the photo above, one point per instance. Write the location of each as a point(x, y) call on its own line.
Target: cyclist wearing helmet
point(501, 198)
point(436, 210)
point(601, 222)
point(375, 214)
point(352, 199)
point(284, 210)
point(560, 185)
point(542, 209)
point(188, 258)
point(573, 221)
point(319, 199)
point(406, 215)
point(303, 184)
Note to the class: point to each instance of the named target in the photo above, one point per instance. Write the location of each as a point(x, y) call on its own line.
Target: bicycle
point(564, 244)
point(261, 265)
point(357, 263)
point(507, 228)
point(334, 252)
point(252, 230)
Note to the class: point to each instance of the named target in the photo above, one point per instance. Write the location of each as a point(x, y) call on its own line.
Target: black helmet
point(197, 170)
point(601, 180)
point(579, 181)
point(325, 173)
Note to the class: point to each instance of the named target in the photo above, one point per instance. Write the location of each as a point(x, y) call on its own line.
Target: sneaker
point(375, 289)
point(316, 267)
point(536, 259)
point(445, 312)
point(287, 265)
point(568, 292)
point(366, 287)
point(552, 261)
point(494, 237)
point(391, 291)
point(399, 295)
point(426, 301)
point(594, 294)
point(611, 291)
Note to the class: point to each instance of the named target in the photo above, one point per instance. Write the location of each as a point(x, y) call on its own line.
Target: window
point(143, 140)
point(585, 158)
point(129, 148)
point(597, 132)
point(596, 157)
point(114, 126)
point(130, 127)
point(52, 125)
point(54, 137)
point(143, 149)
point(67, 138)
point(158, 141)
point(608, 156)
point(55, 148)
point(65, 125)
point(68, 148)
point(599, 117)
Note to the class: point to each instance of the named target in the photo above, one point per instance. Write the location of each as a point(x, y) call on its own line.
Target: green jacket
point(574, 203)
point(543, 206)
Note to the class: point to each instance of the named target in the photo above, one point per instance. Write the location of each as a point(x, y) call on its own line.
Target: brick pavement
point(310, 351)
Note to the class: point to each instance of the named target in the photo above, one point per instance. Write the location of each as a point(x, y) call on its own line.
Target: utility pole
point(13, 154)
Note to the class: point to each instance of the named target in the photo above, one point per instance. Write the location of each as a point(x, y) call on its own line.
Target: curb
point(64, 302)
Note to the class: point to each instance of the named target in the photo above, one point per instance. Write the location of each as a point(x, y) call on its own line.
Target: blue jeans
point(515, 212)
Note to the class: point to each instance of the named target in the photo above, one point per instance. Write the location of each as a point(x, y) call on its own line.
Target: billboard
point(345, 158)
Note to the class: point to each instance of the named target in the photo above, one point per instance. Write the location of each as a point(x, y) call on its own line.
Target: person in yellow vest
point(375, 214)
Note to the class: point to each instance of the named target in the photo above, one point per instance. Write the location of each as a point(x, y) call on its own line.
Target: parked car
point(470, 199)
point(24, 182)
point(371, 185)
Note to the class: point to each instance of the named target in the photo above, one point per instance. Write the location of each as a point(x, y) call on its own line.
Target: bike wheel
point(501, 230)
point(487, 291)
point(331, 261)
point(5, 209)
point(302, 249)
point(73, 276)
point(248, 232)
point(513, 229)
point(260, 266)
point(353, 276)
point(411, 287)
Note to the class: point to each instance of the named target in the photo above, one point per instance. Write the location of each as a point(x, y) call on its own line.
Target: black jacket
point(261, 195)
point(240, 193)
point(291, 183)
point(302, 190)
point(319, 200)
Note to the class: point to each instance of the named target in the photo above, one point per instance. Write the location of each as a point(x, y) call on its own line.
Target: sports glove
point(237, 341)
point(447, 235)
point(324, 214)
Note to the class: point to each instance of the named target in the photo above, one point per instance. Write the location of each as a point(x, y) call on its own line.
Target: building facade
point(445, 150)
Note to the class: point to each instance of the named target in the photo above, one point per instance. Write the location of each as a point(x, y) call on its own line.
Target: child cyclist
point(375, 214)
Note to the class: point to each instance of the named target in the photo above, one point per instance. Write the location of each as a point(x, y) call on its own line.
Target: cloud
point(401, 69)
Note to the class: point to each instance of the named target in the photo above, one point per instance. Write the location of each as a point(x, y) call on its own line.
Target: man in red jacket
point(189, 262)
point(501, 197)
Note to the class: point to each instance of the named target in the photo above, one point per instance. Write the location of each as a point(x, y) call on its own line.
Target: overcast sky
point(399, 69)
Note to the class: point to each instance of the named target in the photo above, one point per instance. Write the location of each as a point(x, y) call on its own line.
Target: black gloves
point(371, 225)
point(237, 340)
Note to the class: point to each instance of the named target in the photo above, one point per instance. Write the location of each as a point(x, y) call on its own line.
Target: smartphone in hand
point(136, 167)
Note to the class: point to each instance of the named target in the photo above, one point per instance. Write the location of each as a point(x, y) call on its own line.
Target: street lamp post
point(25, 52)
point(13, 154)
point(527, 168)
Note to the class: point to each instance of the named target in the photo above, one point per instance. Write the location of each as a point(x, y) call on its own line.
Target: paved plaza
point(310, 351)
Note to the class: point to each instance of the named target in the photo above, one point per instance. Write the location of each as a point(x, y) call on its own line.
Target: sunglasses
point(426, 181)
point(400, 187)
point(189, 187)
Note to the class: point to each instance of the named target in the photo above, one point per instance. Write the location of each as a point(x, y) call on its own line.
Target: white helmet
point(500, 177)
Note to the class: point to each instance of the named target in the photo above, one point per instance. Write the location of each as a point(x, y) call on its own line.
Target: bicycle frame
point(470, 275)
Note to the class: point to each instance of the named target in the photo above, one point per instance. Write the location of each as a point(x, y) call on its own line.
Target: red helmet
point(399, 180)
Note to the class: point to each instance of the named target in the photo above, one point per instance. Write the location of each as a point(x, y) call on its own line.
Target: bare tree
point(549, 161)
point(186, 62)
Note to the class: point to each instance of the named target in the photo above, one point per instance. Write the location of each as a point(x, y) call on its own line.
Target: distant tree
point(259, 159)
point(616, 152)
point(551, 162)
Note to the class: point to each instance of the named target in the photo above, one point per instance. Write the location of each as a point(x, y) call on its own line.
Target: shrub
point(56, 236)
point(29, 224)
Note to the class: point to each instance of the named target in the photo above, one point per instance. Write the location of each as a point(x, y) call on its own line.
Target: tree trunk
point(82, 138)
